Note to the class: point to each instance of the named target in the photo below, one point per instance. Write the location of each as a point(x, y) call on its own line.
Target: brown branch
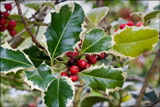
point(154, 103)
point(27, 27)
point(146, 81)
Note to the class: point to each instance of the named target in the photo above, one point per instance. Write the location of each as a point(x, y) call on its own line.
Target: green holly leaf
point(96, 41)
point(13, 60)
point(59, 93)
point(63, 32)
point(38, 57)
point(151, 15)
point(96, 15)
point(133, 41)
point(89, 101)
point(40, 76)
point(103, 78)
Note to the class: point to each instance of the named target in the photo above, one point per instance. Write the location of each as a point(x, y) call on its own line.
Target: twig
point(136, 78)
point(154, 103)
point(146, 81)
point(27, 28)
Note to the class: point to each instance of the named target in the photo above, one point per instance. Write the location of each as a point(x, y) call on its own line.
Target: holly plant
point(73, 58)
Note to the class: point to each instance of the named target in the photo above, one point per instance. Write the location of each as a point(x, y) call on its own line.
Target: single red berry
point(74, 69)
point(2, 28)
point(130, 23)
point(82, 63)
point(31, 105)
point(12, 32)
point(5, 14)
point(122, 26)
point(74, 78)
point(139, 24)
point(64, 74)
point(8, 6)
point(88, 65)
point(2, 21)
point(92, 59)
point(102, 55)
point(116, 30)
point(71, 54)
point(11, 24)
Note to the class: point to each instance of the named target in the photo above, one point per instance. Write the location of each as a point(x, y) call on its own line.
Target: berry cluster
point(3, 21)
point(77, 65)
point(129, 23)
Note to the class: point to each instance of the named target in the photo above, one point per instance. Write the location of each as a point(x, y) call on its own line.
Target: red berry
point(31, 105)
point(64, 74)
point(88, 65)
point(3, 21)
point(130, 23)
point(82, 63)
point(2, 28)
point(5, 14)
point(91, 59)
point(11, 24)
point(71, 54)
point(139, 24)
point(116, 30)
point(74, 69)
point(102, 55)
point(12, 32)
point(8, 6)
point(74, 78)
point(122, 26)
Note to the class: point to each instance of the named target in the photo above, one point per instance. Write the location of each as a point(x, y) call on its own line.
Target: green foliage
point(59, 93)
point(96, 41)
point(64, 29)
point(133, 41)
point(103, 78)
point(13, 60)
point(96, 15)
point(38, 57)
point(40, 76)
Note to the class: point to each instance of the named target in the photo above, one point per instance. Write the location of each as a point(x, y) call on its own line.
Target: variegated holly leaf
point(59, 93)
point(96, 41)
point(40, 76)
point(63, 32)
point(13, 60)
point(133, 41)
point(103, 78)
point(36, 56)
point(151, 15)
point(96, 15)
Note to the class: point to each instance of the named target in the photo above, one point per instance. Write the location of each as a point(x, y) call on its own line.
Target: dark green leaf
point(40, 76)
point(96, 41)
point(13, 60)
point(103, 78)
point(60, 93)
point(64, 30)
point(36, 56)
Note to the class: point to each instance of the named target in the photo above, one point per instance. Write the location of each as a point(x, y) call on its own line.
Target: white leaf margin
point(107, 91)
point(14, 70)
point(69, 101)
point(121, 30)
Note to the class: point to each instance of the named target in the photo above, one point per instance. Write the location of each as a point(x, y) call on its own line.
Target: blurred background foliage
point(16, 93)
